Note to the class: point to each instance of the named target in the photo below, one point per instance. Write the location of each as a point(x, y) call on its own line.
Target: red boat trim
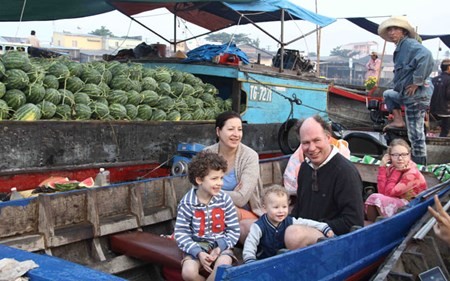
point(351, 95)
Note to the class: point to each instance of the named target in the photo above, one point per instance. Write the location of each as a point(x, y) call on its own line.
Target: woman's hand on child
point(330, 233)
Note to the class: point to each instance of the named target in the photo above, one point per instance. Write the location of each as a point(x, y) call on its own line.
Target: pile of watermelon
point(61, 89)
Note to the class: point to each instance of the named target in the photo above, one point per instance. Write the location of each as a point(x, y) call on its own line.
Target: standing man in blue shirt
point(413, 64)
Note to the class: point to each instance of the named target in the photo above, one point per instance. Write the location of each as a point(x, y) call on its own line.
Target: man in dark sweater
point(329, 187)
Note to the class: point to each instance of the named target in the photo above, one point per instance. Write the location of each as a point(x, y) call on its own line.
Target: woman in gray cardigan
point(242, 179)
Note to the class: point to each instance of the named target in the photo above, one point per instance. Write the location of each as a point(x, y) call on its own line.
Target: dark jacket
point(440, 101)
point(338, 200)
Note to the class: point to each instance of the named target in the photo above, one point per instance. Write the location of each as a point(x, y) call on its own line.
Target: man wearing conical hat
point(413, 64)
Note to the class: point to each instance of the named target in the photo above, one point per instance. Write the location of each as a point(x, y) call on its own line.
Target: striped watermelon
point(117, 96)
point(47, 108)
point(63, 111)
point(16, 79)
point(132, 111)
point(74, 84)
point(117, 111)
point(82, 112)
point(145, 112)
point(2, 90)
point(158, 115)
point(35, 93)
point(4, 110)
point(99, 110)
point(27, 112)
point(53, 96)
point(81, 97)
point(15, 98)
point(50, 81)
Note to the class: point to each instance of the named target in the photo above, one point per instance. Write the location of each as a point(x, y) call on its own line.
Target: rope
point(156, 168)
point(21, 17)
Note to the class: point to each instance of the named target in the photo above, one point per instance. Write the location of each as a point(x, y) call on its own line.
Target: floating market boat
point(266, 96)
point(92, 226)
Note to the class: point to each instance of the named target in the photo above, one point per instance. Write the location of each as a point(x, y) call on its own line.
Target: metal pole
point(282, 42)
point(175, 32)
point(318, 37)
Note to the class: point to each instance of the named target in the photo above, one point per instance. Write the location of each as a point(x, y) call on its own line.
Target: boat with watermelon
point(130, 116)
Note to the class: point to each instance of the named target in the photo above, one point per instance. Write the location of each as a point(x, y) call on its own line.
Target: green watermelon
point(132, 111)
point(2, 69)
point(63, 111)
point(106, 76)
point(177, 76)
point(145, 112)
point(92, 90)
point(174, 116)
point(163, 75)
point(134, 97)
point(102, 100)
point(165, 103)
point(135, 71)
point(36, 74)
point(177, 88)
point(119, 69)
point(15, 98)
point(35, 93)
point(117, 96)
point(99, 110)
point(91, 75)
point(50, 81)
point(16, 79)
point(74, 84)
point(104, 88)
point(67, 97)
point(53, 96)
point(82, 112)
point(198, 114)
point(16, 60)
point(81, 97)
point(2, 89)
point(117, 111)
point(135, 85)
point(158, 115)
point(186, 116)
point(4, 110)
point(120, 82)
point(27, 112)
point(164, 89)
point(148, 83)
point(47, 108)
point(148, 72)
point(59, 70)
point(150, 97)
point(75, 68)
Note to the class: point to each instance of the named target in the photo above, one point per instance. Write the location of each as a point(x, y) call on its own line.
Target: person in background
point(397, 183)
point(373, 66)
point(442, 226)
point(242, 178)
point(266, 235)
point(440, 101)
point(33, 40)
point(413, 64)
point(329, 187)
point(207, 226)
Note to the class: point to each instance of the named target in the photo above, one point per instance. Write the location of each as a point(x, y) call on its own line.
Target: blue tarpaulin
point(208, 51)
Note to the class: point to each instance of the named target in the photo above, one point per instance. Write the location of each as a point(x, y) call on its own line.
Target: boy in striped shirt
point(207, 226)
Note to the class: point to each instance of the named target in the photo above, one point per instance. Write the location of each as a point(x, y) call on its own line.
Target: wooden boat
point(263, 95)
point(420, 253)
point(78, 226)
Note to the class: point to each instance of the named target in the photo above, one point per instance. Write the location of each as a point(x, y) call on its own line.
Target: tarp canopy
point(373, 28)
point(212, 15)
point(41, 10)
point(216, 15)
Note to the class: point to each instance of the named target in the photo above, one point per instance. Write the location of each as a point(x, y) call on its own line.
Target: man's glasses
point(315, 185)
point(397, 155)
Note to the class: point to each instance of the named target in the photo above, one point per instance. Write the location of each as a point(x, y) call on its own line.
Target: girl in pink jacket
point(398, 182)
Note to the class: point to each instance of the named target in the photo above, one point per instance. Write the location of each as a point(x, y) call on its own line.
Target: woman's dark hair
point(224, 117)
point(204, 162)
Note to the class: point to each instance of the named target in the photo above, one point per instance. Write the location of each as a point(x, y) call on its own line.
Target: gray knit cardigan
point(246, 167)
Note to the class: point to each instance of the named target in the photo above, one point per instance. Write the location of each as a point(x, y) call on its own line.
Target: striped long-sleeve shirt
point(215, 223)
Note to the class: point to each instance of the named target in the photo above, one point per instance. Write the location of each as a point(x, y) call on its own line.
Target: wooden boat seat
point(148, 247)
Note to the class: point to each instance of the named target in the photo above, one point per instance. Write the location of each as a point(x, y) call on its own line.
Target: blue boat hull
point(344, 257)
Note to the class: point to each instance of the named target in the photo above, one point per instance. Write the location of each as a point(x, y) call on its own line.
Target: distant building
point(362, 48)
point(257, 55)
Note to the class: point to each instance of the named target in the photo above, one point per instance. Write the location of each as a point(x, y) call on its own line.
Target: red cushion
point(148, 247)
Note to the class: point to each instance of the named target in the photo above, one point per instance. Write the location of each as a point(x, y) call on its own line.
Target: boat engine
point(185, 152)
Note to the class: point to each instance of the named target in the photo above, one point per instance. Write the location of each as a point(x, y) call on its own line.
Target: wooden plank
point(118, 264)
point(92, 211)
point(266, 173)
point(117, 223)
point(161, 215)
point(19, 218)
point(70, 234)
point(31, 243)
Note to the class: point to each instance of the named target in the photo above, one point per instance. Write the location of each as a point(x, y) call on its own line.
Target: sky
point(429, 17)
